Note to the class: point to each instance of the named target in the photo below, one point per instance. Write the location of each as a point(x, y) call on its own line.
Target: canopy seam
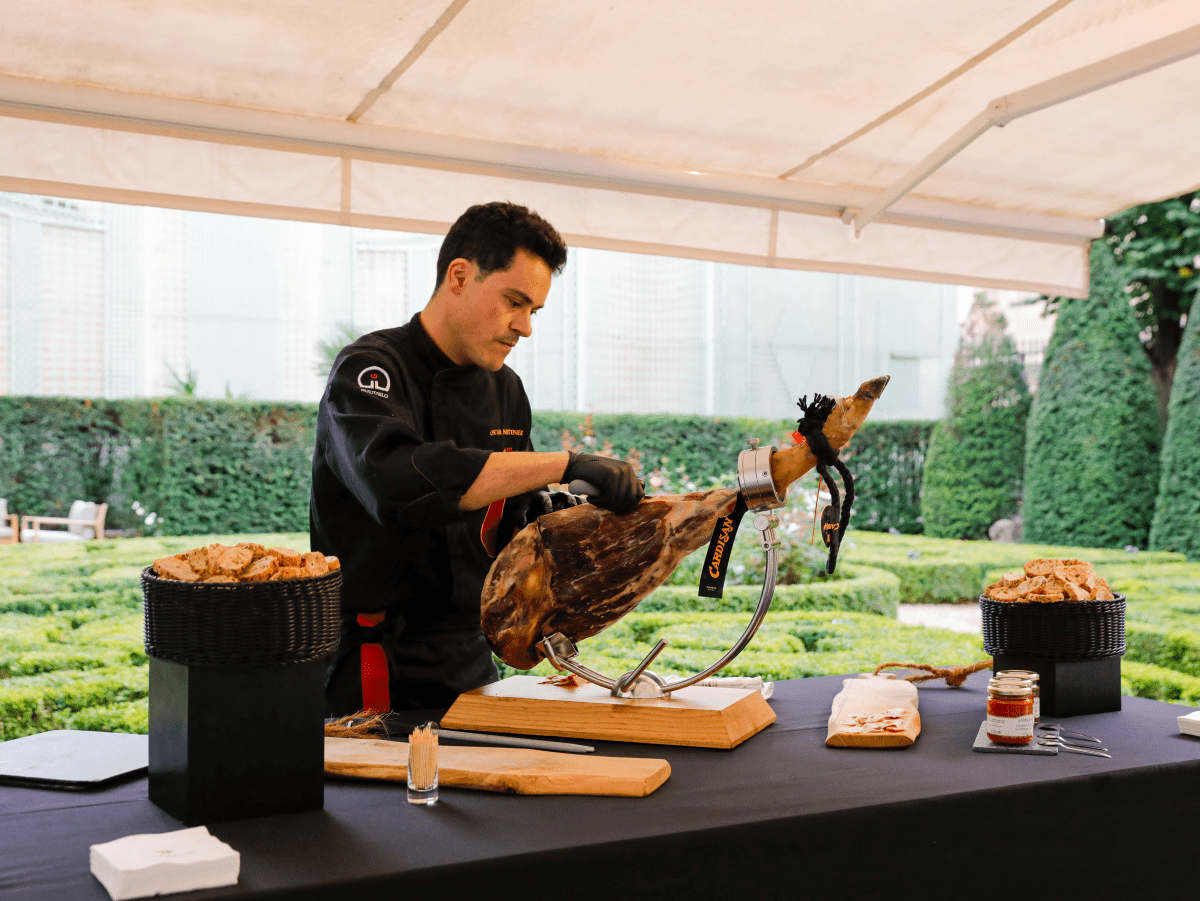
point(443, 21)
point(937, 85)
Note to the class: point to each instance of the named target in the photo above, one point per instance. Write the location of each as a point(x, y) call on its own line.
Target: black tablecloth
point(780, 816)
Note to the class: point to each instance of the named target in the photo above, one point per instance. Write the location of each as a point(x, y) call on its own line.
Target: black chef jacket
point(402, 432)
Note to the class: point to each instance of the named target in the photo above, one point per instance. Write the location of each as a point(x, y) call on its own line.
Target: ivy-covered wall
point(184, 466)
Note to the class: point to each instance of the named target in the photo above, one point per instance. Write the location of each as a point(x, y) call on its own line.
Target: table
point(781, 816)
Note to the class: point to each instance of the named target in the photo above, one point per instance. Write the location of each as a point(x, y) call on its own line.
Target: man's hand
point(525, 508)
point(618, 484)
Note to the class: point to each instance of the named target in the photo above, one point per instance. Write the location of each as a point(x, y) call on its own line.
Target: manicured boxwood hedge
point(71, 651)
point(948, 571)
point(193, 466)
point(1176, 524)
point(1091, 456)
point(863, 589)
point(977, 453)
point(1145, 680)
point(789, 644)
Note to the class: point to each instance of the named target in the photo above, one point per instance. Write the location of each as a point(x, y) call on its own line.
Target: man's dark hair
point(490, 234)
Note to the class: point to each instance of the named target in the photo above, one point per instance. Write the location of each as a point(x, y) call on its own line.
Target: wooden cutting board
point(517, 771)
point(530, 705)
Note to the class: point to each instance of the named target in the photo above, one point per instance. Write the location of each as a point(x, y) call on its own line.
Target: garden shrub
point(788, 645)
point(1091, 464)
point(888, 460)
point(863, 589)
point(977, 453)
point(1145, 680)
point(933, 570)
point(31, 704)
point(185, 466)
point(1176, 525)
point(77, 661)
point(1174, 649)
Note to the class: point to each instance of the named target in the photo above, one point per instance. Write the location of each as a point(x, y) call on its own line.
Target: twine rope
point(955, 676)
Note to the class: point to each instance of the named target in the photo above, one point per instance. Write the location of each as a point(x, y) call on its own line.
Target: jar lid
point(1011, 690)
point(1021, 680)
point(1026, 673)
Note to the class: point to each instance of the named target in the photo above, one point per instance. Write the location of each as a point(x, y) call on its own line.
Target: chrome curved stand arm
point(769, 543)
point(758, 490)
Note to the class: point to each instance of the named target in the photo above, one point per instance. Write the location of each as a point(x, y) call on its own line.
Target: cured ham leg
point(579, 570)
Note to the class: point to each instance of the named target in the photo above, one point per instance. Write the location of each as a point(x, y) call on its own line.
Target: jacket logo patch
point(375, 380)
point(518, 432)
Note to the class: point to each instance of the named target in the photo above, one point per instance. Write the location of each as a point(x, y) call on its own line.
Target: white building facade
point(117, 301)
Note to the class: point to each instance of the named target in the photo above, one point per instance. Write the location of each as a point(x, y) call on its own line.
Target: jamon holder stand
point(640, 705)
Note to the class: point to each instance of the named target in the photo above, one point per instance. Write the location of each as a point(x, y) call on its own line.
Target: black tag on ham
point(830, 520)
point(712, 577)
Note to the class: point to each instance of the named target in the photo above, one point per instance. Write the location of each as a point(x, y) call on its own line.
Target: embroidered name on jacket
point(517, 432)
point(375, 380)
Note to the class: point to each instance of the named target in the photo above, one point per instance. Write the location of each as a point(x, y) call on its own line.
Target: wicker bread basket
point(241, 623)
point(1060, 630)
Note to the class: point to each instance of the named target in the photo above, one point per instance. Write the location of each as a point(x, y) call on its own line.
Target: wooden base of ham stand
point(697, 716)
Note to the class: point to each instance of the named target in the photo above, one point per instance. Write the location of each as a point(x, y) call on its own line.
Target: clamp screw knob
point(753, 442)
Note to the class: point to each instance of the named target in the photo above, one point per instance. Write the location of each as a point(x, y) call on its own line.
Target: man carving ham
point(423, 468)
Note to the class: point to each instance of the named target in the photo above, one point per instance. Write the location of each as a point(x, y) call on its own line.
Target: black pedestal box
point(1071, 687)
point(229, 742)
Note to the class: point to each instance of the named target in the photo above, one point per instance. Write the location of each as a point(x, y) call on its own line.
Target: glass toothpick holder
point(423, 764)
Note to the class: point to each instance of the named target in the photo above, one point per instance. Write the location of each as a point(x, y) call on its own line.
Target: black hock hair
point(811, 426)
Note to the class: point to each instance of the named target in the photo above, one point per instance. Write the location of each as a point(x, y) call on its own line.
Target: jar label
point(1037, 707)
point(1010, 726)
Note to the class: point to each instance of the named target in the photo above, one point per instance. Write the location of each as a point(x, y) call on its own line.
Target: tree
point(1091, 457)
point(1176, 524)
point(1158, 248)
point(976, 454)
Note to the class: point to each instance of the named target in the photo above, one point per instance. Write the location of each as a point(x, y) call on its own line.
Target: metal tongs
point(1055, 735)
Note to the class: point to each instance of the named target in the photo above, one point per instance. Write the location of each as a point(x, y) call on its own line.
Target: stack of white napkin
point(138, 866)
point(1190, 724)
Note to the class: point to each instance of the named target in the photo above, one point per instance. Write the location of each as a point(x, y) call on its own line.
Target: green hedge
point(1176, 525)
point(1174, 649)
point(863, 589)
point(1091, 466)
point(71, 652)
point(1145, 680)
point(53, 700)
point(947, 571)
point(888, 462)
point(788, 645)
point(235, 466)
point(977, 453)
point(197, 466)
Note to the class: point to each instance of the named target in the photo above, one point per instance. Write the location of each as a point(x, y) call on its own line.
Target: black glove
point(617, 482)
point(523, 509)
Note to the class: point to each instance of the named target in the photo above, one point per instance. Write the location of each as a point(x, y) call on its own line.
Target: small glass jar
point(1009, 713)
point(1033, 678)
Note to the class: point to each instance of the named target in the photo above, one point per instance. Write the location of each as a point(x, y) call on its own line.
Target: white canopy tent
point(793, 133)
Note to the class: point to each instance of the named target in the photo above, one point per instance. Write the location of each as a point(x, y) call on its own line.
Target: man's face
point(488, 317)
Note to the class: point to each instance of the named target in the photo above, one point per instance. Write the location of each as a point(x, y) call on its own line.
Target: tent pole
point(1053, 91)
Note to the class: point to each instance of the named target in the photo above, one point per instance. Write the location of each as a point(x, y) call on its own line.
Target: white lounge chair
point(84, 522)
point(8, 524)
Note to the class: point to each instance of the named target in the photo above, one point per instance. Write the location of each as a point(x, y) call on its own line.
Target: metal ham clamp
point(573, 573)
point(758, 494)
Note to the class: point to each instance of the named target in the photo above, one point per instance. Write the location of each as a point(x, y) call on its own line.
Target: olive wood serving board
point(697, 716)
point(517, 771)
